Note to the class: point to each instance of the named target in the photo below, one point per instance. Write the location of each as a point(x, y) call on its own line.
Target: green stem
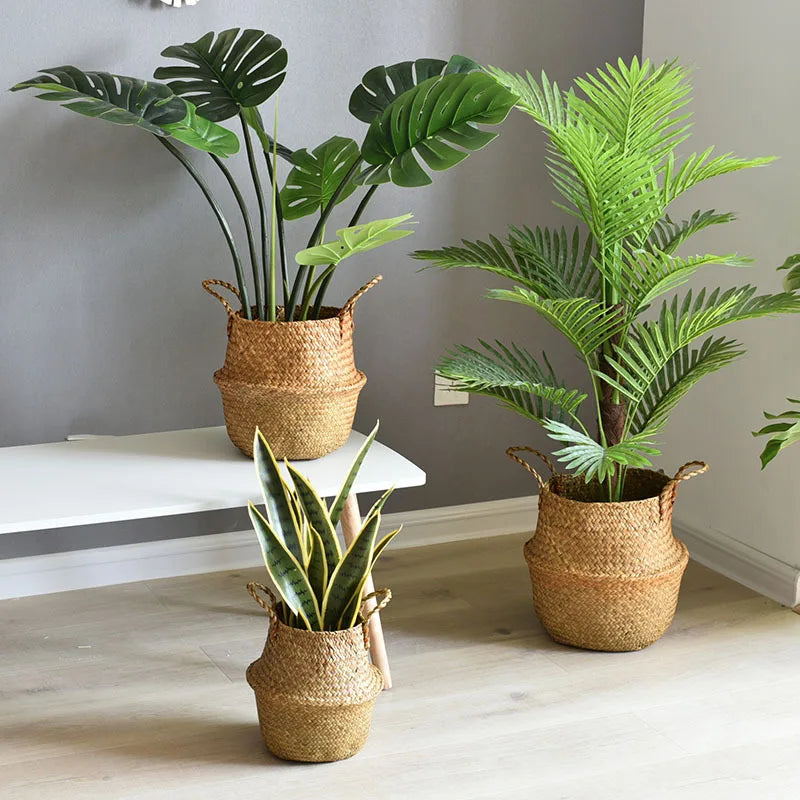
point(262, 210)
point(245, 216)
point(223, 223)
point(328, 276)
point(281, 237)
point(302, 273)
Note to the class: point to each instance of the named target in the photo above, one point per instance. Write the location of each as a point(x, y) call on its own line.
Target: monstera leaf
point(133, 102)
point(356, 239)
point(436, 122)
point(226, 72)
point(381, 85)
point(316, 175)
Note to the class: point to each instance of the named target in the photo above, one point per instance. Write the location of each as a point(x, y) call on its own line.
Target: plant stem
point(273, 290)
point(262, 210)
point(328, 274)
point(281, 236)
point(245, 217)
point(223, 223)
point(302, 273)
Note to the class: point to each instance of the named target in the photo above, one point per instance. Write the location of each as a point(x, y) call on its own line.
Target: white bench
point(115, 478)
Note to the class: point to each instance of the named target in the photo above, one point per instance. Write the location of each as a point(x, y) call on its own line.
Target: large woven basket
point(606, 576)
point(296, 381)
point(314, 690)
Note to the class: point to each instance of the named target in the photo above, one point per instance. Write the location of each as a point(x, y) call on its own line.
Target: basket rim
point(547, 490)
point(332, 314)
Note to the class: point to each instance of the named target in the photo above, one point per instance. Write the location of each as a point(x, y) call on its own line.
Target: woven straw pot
point(296, 381)
point(606, 576)
point(314, 690)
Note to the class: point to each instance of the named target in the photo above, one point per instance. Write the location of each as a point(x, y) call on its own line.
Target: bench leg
point(351, 525)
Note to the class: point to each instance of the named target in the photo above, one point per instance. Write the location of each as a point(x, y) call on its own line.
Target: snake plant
point(422, 115)
point(609, 285)
point(320, 585)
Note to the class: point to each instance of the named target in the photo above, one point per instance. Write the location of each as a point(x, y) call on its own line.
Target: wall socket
point(445, 395)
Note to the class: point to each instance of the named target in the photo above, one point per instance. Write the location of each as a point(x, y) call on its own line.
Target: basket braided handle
point(385, 596)
point(511, 453)
point(254, 589)
point(684, 473)
point(209, 282)
point(348, 307)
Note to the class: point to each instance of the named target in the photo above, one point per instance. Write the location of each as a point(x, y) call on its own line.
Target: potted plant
point(289, 366)
point(604, 564)
point(783, 429)
point(314, 684)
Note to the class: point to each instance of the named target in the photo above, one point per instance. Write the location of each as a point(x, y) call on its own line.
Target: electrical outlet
point(445, 395)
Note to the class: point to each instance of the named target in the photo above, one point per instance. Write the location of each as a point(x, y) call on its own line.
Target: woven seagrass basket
point(296, 381)
point(314, 689)
point(606, 576)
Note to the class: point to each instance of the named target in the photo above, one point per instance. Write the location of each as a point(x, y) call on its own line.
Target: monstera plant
point(422, 116)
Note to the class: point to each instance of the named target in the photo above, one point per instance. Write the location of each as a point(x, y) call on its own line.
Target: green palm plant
point(425, 112)
point(609, 286)
point(320, 585)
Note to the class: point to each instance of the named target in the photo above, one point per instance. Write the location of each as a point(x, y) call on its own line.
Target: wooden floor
point(138, 691)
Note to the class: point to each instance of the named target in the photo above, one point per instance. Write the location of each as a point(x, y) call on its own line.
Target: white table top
point(113, 478)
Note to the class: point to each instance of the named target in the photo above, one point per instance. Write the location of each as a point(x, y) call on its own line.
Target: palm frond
point(700, 167)
point(636, 106)
point(585, 322)
point(546, 262)
point(686, 367)
point(781, 434)
point(650, 345)
point(514, 377)
point(667, 235)
point(584, 456)
point(542, 100)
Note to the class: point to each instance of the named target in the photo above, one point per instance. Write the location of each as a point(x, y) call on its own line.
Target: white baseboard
point(740, 562)
point(105, 566)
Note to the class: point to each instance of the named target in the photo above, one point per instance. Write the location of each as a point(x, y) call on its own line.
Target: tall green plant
point(321, 585)
point(422, 115)
point(609, 286)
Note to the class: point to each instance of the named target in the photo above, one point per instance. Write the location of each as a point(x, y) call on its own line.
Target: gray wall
point(746, 83)
point(105, 241)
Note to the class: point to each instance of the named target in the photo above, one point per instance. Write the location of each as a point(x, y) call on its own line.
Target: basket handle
point(684, 473)
point(511, 454)
point(386, 596)
point(209, 282)
point(254, 589)
point(348, 307)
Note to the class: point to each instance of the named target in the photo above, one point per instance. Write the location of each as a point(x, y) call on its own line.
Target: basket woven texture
point(296, 381)
point(314, 690)
point(606, 576)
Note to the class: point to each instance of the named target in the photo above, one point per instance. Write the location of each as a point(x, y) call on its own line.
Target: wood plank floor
point(138, 691)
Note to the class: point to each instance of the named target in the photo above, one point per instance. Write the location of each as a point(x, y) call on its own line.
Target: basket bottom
point(613, 614)
point(313, 733)
point(297, 425)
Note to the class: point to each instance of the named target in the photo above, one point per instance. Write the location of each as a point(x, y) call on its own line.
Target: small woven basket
point(296, 381)
point(606, 576)
point(314, 689)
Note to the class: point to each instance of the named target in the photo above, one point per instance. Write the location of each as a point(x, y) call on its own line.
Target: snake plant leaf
point(381, 85)
point(356, 239)
point(226, 72)
point(316, 512)
point(286, 572)
point(437, 122)
point(350, 615)
point(127, 101)
point(344, 492)
point(318, 566)
point(348, 578)
point(315, 177)
point(277, 499)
